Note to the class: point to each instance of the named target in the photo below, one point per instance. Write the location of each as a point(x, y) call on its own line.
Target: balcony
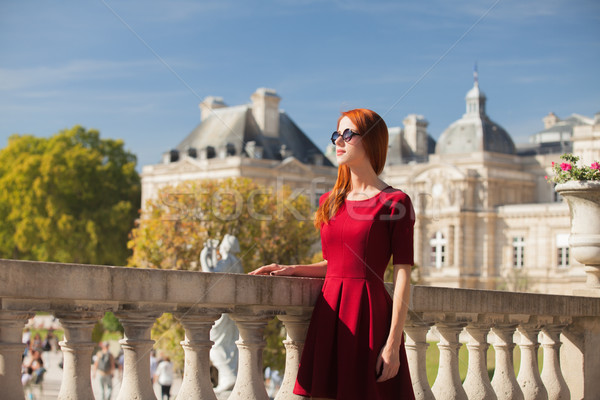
point(569, 328)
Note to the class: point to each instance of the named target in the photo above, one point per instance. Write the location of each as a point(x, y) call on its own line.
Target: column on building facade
point(416, 350)
point(418, 242)
point(296, 327)
point(447, 383)
point(451, 247)
point(136, 346)
point(529, 374)
point(504, 381)
point(551, 374)
point(77, 351)
point(470, 244)
point(11, 352)
point(477, 382)
point(196, 383)
point(250, 382)
point(458, 244)
point(488, 270)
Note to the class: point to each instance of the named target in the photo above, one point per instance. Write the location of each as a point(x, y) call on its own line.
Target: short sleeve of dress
point(402, 221)
point(323, 244)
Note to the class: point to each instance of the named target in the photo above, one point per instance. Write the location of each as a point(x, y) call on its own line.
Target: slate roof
point(235, 126)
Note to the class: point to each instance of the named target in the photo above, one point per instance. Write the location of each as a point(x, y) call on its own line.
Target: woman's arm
point(388, 361)
point(316, 270)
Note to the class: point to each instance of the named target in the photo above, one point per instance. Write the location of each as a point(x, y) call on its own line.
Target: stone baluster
point(11, 352)
point(551, 374)
point(136, 351)
point(416, 349)
point(477, 384)
point(250, 382)
point(447, 384)
point(296, 327)
point(504, 381)
point(529, 374)
point(77, 351)
point(196, 384)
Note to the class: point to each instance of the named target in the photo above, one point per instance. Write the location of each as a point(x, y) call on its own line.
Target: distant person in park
point(354, 347)
point(51, 342)
point(26, 335)
point(33, 364)
point(37, 343)
point(153, 363)
point(104, 367)
point(164, 377)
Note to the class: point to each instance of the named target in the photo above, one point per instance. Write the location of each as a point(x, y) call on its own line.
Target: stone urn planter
point(583, 198)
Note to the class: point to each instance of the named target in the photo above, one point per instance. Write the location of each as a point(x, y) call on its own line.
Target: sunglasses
point(347, 135)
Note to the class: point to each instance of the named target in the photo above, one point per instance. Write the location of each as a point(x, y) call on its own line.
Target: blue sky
point(137, 70)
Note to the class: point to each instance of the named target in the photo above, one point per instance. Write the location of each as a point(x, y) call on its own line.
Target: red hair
point(374, 137)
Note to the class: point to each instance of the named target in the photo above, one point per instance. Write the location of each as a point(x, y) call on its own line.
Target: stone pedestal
point(296, 327)
point(447, 383)
point(416, 354)
point(196, 383)
point(136, 346)
point(250, 381)
point(11, 350)
point(583, 198)
point(77, 352)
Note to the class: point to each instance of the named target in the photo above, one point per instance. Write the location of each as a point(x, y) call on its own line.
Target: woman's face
point(350, 153)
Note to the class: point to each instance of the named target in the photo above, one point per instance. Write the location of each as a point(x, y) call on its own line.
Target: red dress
point(351, 319)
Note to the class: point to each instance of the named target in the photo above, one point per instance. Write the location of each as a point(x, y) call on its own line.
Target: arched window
point(438, 250)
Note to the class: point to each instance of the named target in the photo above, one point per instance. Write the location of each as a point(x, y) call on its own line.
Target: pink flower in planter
point(595, 165)
point(565, 166)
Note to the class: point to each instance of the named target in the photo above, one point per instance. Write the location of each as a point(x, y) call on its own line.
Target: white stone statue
point(224, 333)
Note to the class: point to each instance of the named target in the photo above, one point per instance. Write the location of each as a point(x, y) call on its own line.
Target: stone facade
point(486, 216)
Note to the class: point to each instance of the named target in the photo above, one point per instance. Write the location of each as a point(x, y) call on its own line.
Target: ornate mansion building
point(486, 216)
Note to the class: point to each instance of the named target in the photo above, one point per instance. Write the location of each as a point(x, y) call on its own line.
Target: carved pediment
point(291, 165)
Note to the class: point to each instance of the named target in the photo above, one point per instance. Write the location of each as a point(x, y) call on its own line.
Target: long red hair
point(374, 137)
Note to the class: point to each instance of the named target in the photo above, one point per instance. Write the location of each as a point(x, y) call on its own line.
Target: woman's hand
point(274, 269)
point(388, 362)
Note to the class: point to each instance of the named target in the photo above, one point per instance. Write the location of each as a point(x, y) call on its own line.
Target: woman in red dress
point(354, 348)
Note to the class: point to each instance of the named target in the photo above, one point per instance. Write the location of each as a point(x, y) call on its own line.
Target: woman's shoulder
point(398, 202)
point(395, 195)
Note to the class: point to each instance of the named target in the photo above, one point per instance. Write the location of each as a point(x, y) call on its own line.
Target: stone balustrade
point(79, 295)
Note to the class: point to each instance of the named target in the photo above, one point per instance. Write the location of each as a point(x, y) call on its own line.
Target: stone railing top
point(38, 286)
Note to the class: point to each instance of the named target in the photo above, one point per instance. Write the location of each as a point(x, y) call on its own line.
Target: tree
point(72, 197)
point(271, 226)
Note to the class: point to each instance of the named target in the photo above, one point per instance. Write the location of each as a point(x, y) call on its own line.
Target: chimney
point(415, 133)
point(265, 108)
point(208, 104)
point(550, 120)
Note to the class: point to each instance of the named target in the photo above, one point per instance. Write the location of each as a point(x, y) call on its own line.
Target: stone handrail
point(80, 294)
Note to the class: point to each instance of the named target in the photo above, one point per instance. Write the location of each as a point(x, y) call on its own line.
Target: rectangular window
point(562, 250)
point(518, 251)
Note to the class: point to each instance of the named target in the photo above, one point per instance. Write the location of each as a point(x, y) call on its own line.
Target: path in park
point(53, 378)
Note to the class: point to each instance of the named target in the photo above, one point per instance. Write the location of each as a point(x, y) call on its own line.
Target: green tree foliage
point(271, 226)
point(72, 197)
